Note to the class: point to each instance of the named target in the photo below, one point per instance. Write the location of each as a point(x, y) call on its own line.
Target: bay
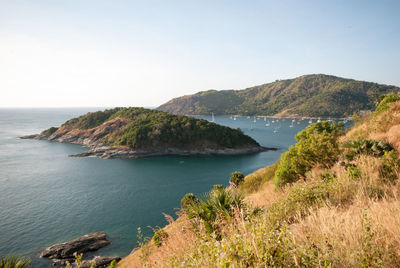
point(47, 197)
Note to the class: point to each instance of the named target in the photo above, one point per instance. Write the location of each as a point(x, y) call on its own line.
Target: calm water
point(47, 197)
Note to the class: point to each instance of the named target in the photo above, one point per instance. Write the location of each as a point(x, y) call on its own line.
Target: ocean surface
point(47, 197)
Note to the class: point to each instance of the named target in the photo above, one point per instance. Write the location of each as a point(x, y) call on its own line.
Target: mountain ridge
point(316, 95)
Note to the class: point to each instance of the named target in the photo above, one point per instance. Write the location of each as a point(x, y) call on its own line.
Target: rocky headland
point(138, 132)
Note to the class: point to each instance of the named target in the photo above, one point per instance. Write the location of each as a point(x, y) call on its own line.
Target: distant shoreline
point(279, 116)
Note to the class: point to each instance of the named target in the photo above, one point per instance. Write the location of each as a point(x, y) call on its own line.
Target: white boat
point(255, 120)
point(310, 122)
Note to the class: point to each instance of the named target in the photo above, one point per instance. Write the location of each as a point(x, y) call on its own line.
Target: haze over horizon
point(143, 53)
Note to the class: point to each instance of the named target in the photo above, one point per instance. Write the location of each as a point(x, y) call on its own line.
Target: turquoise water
point(47, 197)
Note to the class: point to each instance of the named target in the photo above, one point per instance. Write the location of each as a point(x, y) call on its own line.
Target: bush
point(384, 100)
point(217, 187)
point(159, 237)
point(364, 146)
point(14, 261)
point(354, 172)
point(316, 145)
point(219, 203)
point(236, 178)
point(50, 131)
point(390, 168)
point(187, 201)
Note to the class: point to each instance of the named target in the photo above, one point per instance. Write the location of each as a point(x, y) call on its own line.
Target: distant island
point(138, 132)
point(315, 95)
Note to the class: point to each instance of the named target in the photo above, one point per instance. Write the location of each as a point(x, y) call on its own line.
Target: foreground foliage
point(316, 145)
point(14, 261)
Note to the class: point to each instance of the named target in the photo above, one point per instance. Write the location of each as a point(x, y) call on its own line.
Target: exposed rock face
point(89, 242)
point(98, 262)
point(88, 137)
point(112, 152)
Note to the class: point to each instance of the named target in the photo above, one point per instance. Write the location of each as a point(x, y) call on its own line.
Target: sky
point(82, 53)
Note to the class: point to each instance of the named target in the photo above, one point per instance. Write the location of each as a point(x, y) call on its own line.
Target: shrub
point(236, 178)
point(384, 100)
point(354, 172)
point(14, 261)
point(218, 187)
point(219, 203)
point(50, 131)
point(317, 144)
point(160, 236)
point(390, 168)
point(364, 146)
point(187, 201)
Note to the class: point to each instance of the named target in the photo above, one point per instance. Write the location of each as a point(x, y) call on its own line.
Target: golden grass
point(360, 226)
point(180, 237)
point(344, 231)
point(263, 197)
point(384, 126)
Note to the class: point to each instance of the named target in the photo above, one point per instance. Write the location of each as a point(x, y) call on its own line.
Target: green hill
point(308, 95)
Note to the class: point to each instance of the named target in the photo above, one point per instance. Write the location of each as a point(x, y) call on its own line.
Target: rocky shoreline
point(111, 152)
point(101, 150)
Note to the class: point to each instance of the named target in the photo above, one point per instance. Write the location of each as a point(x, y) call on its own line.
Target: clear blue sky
point(142, 53)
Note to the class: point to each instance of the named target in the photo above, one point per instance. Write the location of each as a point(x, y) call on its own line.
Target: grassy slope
point(308, 95)
point(149, 129)
point(335, 217)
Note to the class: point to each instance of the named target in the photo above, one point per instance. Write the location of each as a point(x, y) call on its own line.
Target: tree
point(236, 178)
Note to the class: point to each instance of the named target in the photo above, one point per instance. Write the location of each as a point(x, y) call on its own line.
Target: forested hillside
point(315, 95)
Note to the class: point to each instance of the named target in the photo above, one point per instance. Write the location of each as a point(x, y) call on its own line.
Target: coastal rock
point(110, 152)
point(66, 250)
point(98, 262)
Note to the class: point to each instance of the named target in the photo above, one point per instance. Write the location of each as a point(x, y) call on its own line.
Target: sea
point(47, 197)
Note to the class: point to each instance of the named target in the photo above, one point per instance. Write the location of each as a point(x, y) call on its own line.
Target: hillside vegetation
point(139, 128)
point(332, 200)
point(309, 95)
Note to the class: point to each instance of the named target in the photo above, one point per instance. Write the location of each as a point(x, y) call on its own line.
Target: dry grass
point(180, 237)
point(358, 225)
point(343, 232)
point(384, 126)
point(263, 197)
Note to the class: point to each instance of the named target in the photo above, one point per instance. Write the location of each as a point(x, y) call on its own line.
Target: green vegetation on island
point(139, 128)
point(314, 95)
